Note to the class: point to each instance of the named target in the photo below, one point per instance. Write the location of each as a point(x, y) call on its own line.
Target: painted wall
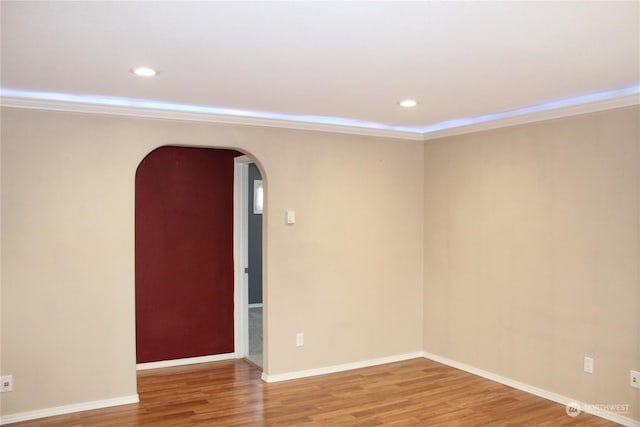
point(184, 253)
point(532, 253)
point(529, 237)
point(348, 274)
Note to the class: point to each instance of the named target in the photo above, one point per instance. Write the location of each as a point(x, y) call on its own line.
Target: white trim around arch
point(240, 255)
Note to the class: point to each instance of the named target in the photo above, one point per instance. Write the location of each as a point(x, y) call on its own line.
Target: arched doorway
point(184, 256)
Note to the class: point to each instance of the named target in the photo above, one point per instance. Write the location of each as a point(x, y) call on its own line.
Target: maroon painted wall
point(184, 253)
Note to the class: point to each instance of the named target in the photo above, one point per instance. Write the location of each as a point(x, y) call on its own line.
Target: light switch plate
point(291, 217)
point(588, 365)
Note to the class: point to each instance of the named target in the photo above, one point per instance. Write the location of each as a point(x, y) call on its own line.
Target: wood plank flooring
point(416, 392)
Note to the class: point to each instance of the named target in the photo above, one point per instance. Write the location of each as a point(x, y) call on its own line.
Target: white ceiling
point(352, 60)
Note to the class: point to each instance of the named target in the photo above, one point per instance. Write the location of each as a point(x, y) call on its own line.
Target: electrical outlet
point(6, 383)
point(299, 339)
point(634, 379)
point(588, 365)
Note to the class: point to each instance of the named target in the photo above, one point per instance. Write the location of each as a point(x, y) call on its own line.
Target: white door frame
point(241, 255)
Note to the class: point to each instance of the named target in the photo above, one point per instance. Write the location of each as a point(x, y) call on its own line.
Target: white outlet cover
point(299, 339)
point(6, 383)
point(634, 379)
point(588, 365)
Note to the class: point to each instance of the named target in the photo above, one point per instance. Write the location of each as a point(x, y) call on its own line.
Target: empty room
point(320, 213)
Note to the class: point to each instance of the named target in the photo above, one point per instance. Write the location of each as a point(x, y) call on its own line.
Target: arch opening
point(185, 256)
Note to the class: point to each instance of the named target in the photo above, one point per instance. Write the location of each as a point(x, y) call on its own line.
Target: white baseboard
point(67, 409)
point(339, 368)
point(185, 361)
point(98, 404)
point(590, 409)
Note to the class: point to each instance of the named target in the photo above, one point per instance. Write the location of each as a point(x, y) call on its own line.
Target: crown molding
point(516, 117)
point(590, 103)
point(174, 114)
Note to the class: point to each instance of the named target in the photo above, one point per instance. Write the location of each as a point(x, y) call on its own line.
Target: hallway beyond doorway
point(255, 335)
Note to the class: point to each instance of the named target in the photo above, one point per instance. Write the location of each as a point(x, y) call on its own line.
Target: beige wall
point(348, 274)
point(531, 240)
point(532, 253)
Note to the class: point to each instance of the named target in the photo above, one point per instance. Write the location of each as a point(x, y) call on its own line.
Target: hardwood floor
point(416, 392)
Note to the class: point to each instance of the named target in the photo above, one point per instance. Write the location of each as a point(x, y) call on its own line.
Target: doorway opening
point(190, 279)
point(249, 205)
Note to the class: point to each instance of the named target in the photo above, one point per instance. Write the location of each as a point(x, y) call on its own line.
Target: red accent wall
point(184, 253)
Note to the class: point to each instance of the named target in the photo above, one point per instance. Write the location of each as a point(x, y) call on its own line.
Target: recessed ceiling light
point(408, 103)
point(144, 72)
